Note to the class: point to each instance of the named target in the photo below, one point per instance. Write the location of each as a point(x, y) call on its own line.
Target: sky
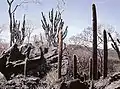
point(77, 14)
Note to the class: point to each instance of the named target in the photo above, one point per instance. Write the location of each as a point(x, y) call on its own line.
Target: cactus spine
point(90, 68)
point(75, 66)
point(105, 54)
point(94, 42)
point(60, 53)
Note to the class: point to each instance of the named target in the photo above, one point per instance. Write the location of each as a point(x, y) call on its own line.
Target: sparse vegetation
point(87, 62)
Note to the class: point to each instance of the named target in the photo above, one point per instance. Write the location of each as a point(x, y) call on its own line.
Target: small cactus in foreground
point(90, 68)
point(105, 54)
point(75, 66)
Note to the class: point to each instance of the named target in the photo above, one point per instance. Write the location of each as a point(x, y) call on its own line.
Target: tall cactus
point(60, 45)
point(18, 35)
point(75, 66)
point(52, 27)
point(90, 68)
point(105, 54)
point(94, 42)
point(114, 45)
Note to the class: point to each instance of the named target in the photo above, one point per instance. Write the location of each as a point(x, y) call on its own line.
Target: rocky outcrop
point(13, 60)
point(72, 84)
point(111, 82)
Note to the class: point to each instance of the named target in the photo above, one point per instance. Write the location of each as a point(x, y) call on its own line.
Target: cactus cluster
point(93, 62)
point(94, 74)
point(18, 34)
point(52, 27)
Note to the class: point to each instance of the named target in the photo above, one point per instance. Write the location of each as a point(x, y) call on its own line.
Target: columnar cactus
point(105, 54)
point(52, 27)
point(75, 66)
point(25, 67)
point(114, 45)
point(60, 45)
point(90, 68)
point(94, 42)
point(18, 35)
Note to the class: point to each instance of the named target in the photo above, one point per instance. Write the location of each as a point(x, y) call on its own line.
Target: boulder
point(2, 79)
point(63, 86)
point(53, 59)
point(73, 84)
point(111, 82)
point(76, 84)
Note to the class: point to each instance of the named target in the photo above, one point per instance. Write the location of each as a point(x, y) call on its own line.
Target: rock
point(111, 82)
point(45, 50)
point(73, 84)
point(63, 86)
point(53, 59)
point(11, 82)
point(2, 79)
point(15, 54)
point(101, 84)
point(115, 77)
point(35, 52)
point(114, 85)
point(51, 52)
point(3, 61)
point(76, 84)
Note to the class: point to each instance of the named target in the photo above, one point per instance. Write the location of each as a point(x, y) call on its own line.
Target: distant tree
point(85, 37)
point(3, 27)
point(61, 5)
point(35, 40)
point(29, 29)
point(38, 40)
point(41, 39)
point(3, 44)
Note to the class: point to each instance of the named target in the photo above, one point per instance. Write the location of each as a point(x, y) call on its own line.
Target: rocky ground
point(43, 74)
point(40, 74)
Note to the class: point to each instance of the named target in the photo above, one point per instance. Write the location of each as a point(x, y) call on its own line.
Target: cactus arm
point(114, 45)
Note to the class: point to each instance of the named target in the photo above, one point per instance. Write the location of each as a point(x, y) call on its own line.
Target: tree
point(61, 5)
point(3, 27)
point(85, 37)
point(3, 44)
point(29, 29)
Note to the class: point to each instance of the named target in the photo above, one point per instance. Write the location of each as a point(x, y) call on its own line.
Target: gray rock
point(76, 84)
